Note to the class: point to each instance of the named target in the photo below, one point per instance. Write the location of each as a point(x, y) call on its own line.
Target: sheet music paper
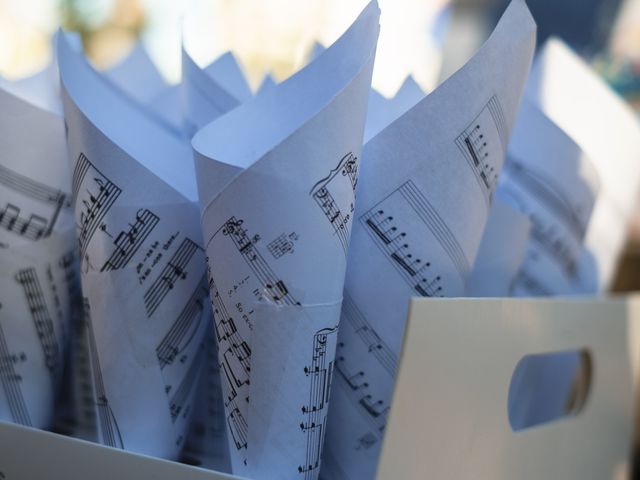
point(268, 82)
point(383, 111)
point(316, 49)
point(40, 89)
point(168, 105)
point(210, 92)
point(424, 195)
point(39, 284)
point(549, 178)
point(142, 263)
point(206, 445)
point(277, 214)
point(601, 123)
point(229, 74)
point(501, 251)
point(137, 75)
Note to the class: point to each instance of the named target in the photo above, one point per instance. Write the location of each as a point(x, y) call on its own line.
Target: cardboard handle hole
point(549, 387)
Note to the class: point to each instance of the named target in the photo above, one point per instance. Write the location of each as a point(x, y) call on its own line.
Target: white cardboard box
point(449, 415)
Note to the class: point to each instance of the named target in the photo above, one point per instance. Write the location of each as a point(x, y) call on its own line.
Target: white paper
point(316, 49)
point(268, 82)
point(168, 106)
point(549, 178)
point(600, 122)
point(206, 445)
point(210, 92)
point(137, 75)
point(142, 263)
point(501, 251)
point(423, 199)
point(40, 89)
point(276, 179)
point(139, 79)
point(38, 268)
point(383, 111)
point(229, 74)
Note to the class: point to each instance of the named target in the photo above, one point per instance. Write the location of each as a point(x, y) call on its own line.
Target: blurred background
point(428, 39)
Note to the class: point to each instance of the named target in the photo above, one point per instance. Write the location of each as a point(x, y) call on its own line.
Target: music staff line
point(354, 381)
point(321, 193)
point(178, 399)
point(234, 351)
point(238, 349)
point(127, 243)
point(82, 167)
point(28, 279)
point(530, 283)
point(97, 205)
point(174, 270)
point(33, 226)
point(476, 146)
point(388, 229)
point(184, 328)
point(549, 194)
point(274, 286)
point(107, 421)
point(281, 245)
point(320, 372)
point(11, 385)
point(365, 331)
point(353, 385)
point(31, 188)
point(556, 248)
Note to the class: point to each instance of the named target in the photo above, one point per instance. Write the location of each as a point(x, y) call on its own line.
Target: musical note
point(374, 408)
point(98, 196)
point(368, 440)
point(127, 243)
point(206, 444)
point(184, 328)
point(358, 388)
point(352, 320)
point(235, 364)
point(11, 384)
point(399, 222)
point(350, 169)
point(319, 373)
point(556, 245)
point(173, 271)
point(234, 367)
point(483, 144)
point(533, 286)
point(79, 172)
point(84, 401)
point(108, 426)
point(238, 428)
point(281, 245)
point(572, 215)
point(30, 283)
point(23, 190)
point(33, 228)
point(10, 216)
point(236, 358)
point(275, 287)
point(339, 215)
point(368, 393)
point(178, 401)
